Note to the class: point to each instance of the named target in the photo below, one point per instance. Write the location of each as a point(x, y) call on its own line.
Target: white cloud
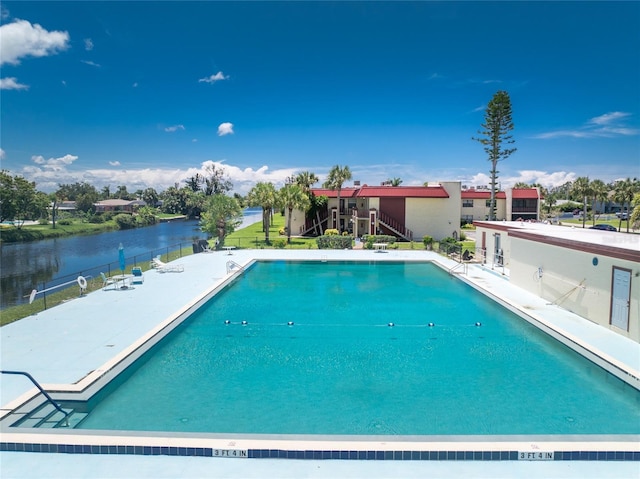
point(48, 174)
point(225, 129)
point(88, 44)
point(214, 78)
point(604, 126)
point(608, 118)
point(171, 129)
point(54, 164)
point(135, 85)
point(11, 83)
point(90, 63)
point(21, 39)
point(544, 178)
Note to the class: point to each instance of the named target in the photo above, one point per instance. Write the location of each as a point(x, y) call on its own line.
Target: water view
point(27, 266)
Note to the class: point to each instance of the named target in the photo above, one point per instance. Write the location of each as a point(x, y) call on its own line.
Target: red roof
point(481, 195)
point(344, 192)
point(385, 192)
point(403, 192)
point(525, 193)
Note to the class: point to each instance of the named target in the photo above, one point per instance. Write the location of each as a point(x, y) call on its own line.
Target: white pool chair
point(162, 267)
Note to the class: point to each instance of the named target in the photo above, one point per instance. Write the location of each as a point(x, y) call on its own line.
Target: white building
point(593, 273)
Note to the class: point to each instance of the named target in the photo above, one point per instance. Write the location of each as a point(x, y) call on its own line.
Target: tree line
point(204, 196)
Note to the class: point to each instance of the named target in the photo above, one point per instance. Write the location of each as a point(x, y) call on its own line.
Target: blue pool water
point(341, 369)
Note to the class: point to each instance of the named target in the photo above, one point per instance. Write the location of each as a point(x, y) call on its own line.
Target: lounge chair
point(466, 256)
point(138, 277)
point(162, 267)
point(106, 281)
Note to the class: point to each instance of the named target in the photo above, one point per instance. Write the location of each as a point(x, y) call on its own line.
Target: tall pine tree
point(496, 132)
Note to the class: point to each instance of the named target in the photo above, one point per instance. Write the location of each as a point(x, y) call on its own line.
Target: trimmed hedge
point(334, 242)
point(379, 239)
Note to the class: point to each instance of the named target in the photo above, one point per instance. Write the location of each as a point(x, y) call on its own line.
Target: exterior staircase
point(395, 226)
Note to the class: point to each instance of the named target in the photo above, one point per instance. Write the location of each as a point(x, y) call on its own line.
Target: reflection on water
point(26, 266)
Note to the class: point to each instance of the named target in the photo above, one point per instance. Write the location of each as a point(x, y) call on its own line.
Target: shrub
point(279, 243)
point(96, 219)
point(380, 239)
point(125, 221)
point(282, 231)
point(449, 245)
point(65, 222)
point(334, 242)
point(428, 241)
point(43, 221)
point(449, 240)
point(331, 232)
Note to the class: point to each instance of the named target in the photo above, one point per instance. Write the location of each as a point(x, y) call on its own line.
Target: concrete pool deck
point(70, 342)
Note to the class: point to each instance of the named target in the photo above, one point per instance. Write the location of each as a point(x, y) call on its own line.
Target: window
point(467, 203)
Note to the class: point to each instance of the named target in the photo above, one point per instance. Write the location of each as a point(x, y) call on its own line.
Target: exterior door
point(620, 297)
point(497, 251)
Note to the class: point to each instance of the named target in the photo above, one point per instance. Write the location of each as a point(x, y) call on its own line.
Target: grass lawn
point(252, 237)
point(38, 232)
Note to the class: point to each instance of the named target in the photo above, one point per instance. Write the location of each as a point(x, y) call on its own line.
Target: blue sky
point(147, 94)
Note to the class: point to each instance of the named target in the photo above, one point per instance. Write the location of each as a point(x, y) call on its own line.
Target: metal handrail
point(401, 229)
point(465, 268)
point(46, 395)
point(232, 264)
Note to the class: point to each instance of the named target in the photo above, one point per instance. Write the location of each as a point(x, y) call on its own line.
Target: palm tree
point(581, 188)
point(265, 196)
point(306, 179)
point(394, 181)
point(635, 214)
point(624, 191)
point(293, 197)
point(336, 178)
point(550, 199)
point(599, 192)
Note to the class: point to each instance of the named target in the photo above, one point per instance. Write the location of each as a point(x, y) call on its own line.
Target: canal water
point(47, 263)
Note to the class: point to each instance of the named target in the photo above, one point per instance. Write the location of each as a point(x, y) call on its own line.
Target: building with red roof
point(411, 212)
point(512, 204)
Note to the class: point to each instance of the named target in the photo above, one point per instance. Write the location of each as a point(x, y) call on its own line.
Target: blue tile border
point(373, 455)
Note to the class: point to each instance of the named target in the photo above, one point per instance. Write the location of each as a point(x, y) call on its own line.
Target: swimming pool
point(342, 368)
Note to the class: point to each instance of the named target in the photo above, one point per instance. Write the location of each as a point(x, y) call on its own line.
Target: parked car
point(603, 227)
point(623, 215)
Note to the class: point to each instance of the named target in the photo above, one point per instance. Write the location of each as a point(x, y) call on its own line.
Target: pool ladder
point(231, 265)
point(465, 268)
